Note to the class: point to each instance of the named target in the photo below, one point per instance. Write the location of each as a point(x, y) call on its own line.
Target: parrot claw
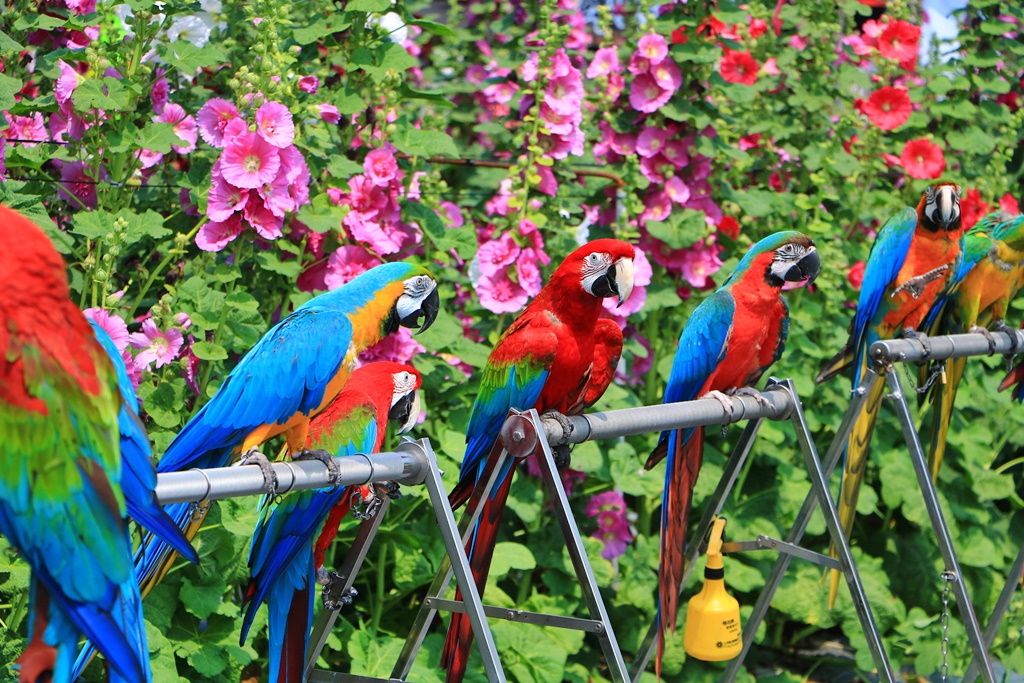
point(916, 285)
point(1001, 326)
point(921, 338)
point(254, 457)
point(723, 399)
point(332, 602)
point(363, 496)
point(988, 337)
point(334, 472)
point(561, 456)
point(394, 491)
point(323, 577)
point(563, 421)
point(759, 397)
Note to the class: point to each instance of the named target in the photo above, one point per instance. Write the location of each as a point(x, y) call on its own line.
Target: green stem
point(1007, 465)
point(525, 587)
point(220, 328)
point(653, 333)
point(172, 253)
point(382, 558)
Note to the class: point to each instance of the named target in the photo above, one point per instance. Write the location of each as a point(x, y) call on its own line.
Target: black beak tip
point(806, 269)
point(431, 305)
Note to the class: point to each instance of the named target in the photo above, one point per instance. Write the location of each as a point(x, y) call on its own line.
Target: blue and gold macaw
point(912, 260)
point(292, 373)
point(731, 339)
point(61, 504)
point(286, 557)
point(988, 278)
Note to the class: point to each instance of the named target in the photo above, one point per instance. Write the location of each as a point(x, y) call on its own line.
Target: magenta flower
point(645, 95)
point(80, 7)
point(112, 324)
point(215, 236)
point(28, 128)
point(274, 123)
point(564, 92)
point(213, 118)
point(528, 271)
point(700, 263)
point(276, 196)
point(182, 320)
point(498, 293)
point(329, 113)
point(658, 206)
point(160, 91)
point(184, 127)
point(383, 237)
point(346, 263)
point(653, 47)
point(156, 346)
point(77, 186)
point(651, 141)
point(676, 151)
point(452, 214)
point(309, 84)
point(134, 371)
point(667, 75)
point(677, 190)
point(612, 526)
point(606, 62)
point(249, 161)
point(68, 80)
point(224, 199)
point(263, 220)
point(494, 255)
point(399, 347)
point(380, 166)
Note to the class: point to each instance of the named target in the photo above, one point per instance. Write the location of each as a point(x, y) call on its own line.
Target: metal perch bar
point(407, 465)
point(941, 348)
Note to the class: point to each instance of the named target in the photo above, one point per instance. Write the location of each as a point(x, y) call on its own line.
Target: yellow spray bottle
point(713, 631)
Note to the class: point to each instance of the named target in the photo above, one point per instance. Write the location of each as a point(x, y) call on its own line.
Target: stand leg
point(931, 502)
point(1002, 604)
point(578, 554)
point(714, 507)
point(803, 518)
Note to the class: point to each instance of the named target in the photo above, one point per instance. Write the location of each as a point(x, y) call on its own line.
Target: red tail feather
point(330, 529)
point(686, 462)
point(293, 649)
point(38, 659)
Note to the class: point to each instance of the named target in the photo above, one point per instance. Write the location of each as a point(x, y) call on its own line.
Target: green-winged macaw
point(543, 361)
point(991, 272)
point(292, 373)
point(138, 476)
point(912, 260)
point(61, 503)
point(731, 339)
point(283, 563)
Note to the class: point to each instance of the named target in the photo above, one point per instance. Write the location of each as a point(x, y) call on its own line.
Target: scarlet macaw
point(913, 258)
point(543, 361)
point(292, 373)
point(731, 339)
point(990, 274)
point(282, 562)
point(61, 503)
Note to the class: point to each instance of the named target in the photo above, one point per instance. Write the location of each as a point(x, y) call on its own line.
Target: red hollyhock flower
point(855, 276)
point(972, 208)
point(1008, 203)
point(899, 41)
point(729, 227)
point(757, 27)
point(679, 36)
point(738, 67)
point(888, 108)
point(922, 158)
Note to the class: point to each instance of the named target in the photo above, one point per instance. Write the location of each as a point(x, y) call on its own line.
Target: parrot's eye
point(929, 194)
point(594, 258)
point(959, 191)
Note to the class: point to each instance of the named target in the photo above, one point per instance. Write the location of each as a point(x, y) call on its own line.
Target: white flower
point(392, 25)
point(195, 29)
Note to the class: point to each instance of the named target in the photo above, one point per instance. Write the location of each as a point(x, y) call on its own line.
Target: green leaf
point(8, 44)
point(9, 87)
point(390, 57)
point(148, 224)
point(321, 216)
point(272, 262)
point(93, 225)
point(321, 27)
point(202, 601)
point(158, 137)
point(508, 556)
point(38, 22)
point(368, 6)
point(462, 240)
point(681, 229)
point(188, 58)
point(437, 98)
point(108, 94)
point(342, 168)
point(755, 203)
point(205, 350)
point(432, 27)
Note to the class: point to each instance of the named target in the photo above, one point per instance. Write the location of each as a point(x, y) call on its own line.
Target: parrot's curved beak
point(806, 269)
point(947, 208)
point(617, 281)
point(428, 308)
point(406, 411)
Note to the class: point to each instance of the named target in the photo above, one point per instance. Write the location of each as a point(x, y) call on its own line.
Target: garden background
point(485, 140)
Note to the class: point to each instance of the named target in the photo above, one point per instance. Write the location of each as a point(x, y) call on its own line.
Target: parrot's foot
point(364, 503)
point(726, 402)
point(921, 338)
point(988, 337)
point(561, 456)
point(333, 471)
point(323, 577)
point(759, 397)
point(254, 457)
point(916, 285)
point(336, 602)
point(562, 420)
point(394, 491)
point(1015, 347)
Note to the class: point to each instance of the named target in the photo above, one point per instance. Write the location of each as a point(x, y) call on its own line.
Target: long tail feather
point(853, 473)
point(480, 549)
point(330, 530)
point(839, 363)
point(943, 397)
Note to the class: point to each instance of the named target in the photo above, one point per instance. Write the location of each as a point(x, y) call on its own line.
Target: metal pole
point(803, 518)
point(714, 507)
point(1002, 604)
point(941, 348)
point(931, 502)
point(406, 466)
point(819, 483)
point(629, 421)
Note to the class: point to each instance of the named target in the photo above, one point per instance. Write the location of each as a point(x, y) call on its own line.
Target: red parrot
point(544, 360)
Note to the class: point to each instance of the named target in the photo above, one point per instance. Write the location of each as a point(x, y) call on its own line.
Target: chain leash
point(949, 578)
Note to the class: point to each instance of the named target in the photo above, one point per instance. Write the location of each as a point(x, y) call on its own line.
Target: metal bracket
point(768, 543)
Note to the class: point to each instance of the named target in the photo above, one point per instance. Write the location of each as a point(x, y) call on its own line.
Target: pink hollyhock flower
point(797, 42)
point(398, 347)
point(528, 70)
point(77, 186)
point(366, 199)
point(215, 236)
point(156, 346)
point(498, 293)
point(68, 80)
point(667, 75)
point(160, 91)
point(276, 196)
point(606, 62)
point(133, 370)
point(3, 158)
point(564, 91)
point(182, 320)
point(922, 158)
point(309, 84)
point(700, 263)
point(654, 168)
point(81, 7)
point(623, 143)
point(494, 255)
point(274, 123)
point(1009, 204)
point(329, 113)
point(184, 127)
point(213, 117)
point(249, 161)
point(855, 276)
point(383, 237)
point(346, 263)
point(380, 166)
point(609, 508)
point(659, 206)
point(653, 47)
point(528, 271)
point(452, 214)
point(569, 476)
point(28, 128)
point(757, 27)
point(263, 220)
point(224, 198)
point(677, 190)
point(148, 158)
point(770, 67)
point(651, 141)
point(112, 324)
point(638, 64)
point(645, 95)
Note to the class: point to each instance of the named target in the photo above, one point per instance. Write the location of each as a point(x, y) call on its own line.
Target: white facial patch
point(405, 382)
point(417, 289)
point(594, 266)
